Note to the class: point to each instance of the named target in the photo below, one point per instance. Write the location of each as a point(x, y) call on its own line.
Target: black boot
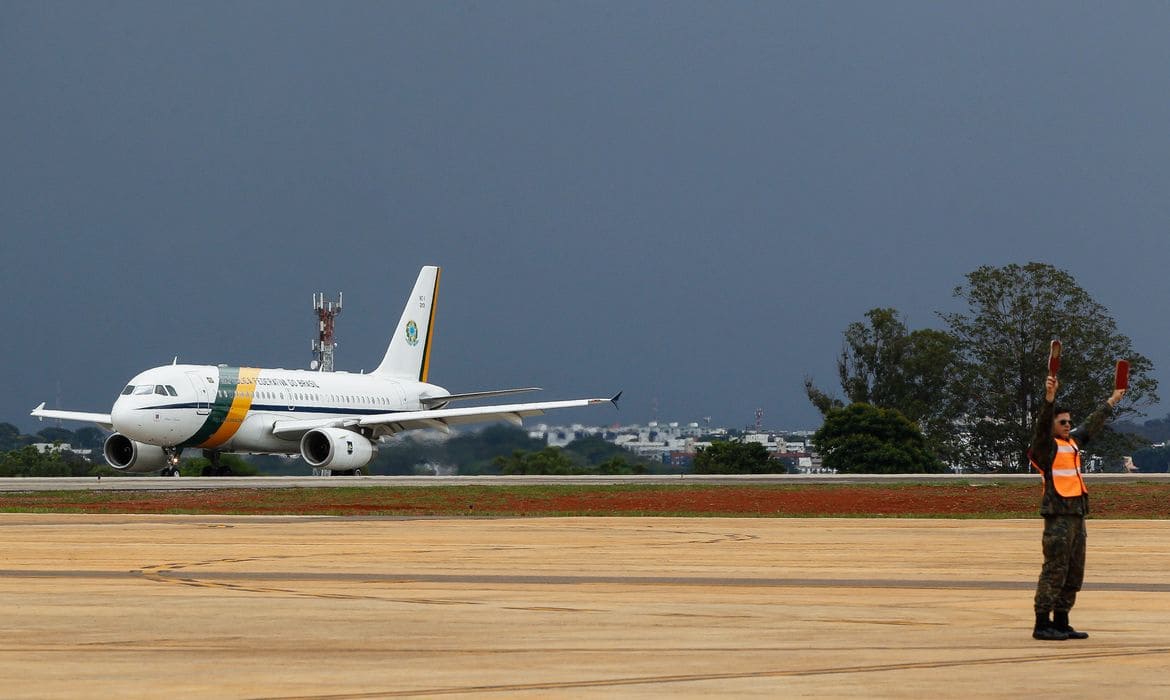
point(1046, 631)
point(1060, 622)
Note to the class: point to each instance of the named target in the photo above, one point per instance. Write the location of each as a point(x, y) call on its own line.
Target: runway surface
point(159, 483)
point(312, 607)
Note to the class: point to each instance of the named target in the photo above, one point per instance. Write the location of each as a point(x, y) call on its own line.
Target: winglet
point(615, 398)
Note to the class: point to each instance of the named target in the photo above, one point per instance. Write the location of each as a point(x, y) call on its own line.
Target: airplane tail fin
point(409, 354)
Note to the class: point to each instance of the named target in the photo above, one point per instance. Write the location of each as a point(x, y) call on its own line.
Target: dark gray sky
point(687, 201)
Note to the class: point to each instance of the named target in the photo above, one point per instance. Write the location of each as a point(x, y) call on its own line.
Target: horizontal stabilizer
point(436, 400)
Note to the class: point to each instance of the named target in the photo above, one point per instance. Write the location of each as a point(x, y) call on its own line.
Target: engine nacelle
point(128, 455)
point(337, 449)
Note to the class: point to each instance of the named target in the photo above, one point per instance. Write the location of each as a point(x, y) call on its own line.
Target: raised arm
point(1042, 432)
point(1086, 431)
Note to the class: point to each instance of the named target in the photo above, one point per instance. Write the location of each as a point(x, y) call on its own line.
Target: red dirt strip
point(1138, 500)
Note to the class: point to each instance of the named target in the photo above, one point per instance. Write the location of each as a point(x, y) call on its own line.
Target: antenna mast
point(323, 344)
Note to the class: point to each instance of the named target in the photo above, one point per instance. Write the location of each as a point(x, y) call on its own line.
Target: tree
point(1014, 312)
point(1152, 459)
point(1156, 430)
point(89, 438)
point(474, 452)
point(9, 437)
point(886, 365)
point(734, 457)
point(550, 460)
point(54, 435)
point(865, 439)
point(618, 465)
point(29, 461)
point(596, 450)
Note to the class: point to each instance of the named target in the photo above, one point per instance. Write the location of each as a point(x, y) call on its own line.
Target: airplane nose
point(120, 416)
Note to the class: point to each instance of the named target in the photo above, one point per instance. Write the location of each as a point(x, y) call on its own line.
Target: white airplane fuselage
point(233, 409)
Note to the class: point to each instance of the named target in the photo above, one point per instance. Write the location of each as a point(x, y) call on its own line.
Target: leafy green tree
point(475, 452)
point(9, 437)
point(550, 460)
point(1156, 430)
point(1152, 459)
point(595, 450)
point(735, 457)
point(884, 364)
point(29, 461)
point(1003, 338)
point(89, 438)
point(55, 435)
point(618, 465)
point(864, 439)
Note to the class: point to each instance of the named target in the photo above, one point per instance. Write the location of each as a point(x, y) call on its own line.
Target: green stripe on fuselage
point(228, 377)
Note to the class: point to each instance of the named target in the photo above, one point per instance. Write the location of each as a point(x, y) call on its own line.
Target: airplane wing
point(102, 419)
point(438, 419)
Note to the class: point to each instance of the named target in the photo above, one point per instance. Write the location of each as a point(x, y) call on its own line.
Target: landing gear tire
point(357, 472)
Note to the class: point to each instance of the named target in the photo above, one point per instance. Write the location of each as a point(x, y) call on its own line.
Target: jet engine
point(128, 455)
point(336, 449)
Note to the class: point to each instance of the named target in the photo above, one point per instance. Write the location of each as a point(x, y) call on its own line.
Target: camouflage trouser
point(1064, 563)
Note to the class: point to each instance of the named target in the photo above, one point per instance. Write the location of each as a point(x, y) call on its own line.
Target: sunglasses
point(1065, 422)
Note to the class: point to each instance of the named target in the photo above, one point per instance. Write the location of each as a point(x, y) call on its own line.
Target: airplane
point(334, 420)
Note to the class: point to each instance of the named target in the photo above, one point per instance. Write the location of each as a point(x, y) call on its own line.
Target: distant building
point(47, 447)
point(676, 444)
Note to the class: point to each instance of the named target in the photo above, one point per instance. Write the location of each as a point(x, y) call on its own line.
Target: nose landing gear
point(172, 457)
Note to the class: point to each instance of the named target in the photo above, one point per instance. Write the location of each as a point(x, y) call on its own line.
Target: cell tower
point(327, 312)
point(759, 419)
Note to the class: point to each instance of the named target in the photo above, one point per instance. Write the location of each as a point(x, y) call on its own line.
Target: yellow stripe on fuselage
point(245, 390)
point(426, 364)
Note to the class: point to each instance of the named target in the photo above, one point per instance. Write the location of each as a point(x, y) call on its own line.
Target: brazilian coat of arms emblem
point(412, 333)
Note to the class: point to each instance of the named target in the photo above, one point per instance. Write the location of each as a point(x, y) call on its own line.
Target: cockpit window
point(143, 390)
point(128, 390)
point(160, 389)
point(171, 390)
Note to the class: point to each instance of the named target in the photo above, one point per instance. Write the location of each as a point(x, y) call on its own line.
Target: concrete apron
point(287, 607)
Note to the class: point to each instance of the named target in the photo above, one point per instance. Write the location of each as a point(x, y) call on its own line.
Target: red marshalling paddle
point(1054, 358)
point(1121, 376)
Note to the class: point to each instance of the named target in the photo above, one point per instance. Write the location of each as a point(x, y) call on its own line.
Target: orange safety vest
point(1066, 469)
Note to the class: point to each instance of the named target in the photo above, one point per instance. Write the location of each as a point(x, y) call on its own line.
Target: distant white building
point(671, 442)
point(47, 447)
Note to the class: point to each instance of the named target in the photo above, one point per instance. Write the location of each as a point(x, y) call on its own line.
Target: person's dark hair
point(1059, 410)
